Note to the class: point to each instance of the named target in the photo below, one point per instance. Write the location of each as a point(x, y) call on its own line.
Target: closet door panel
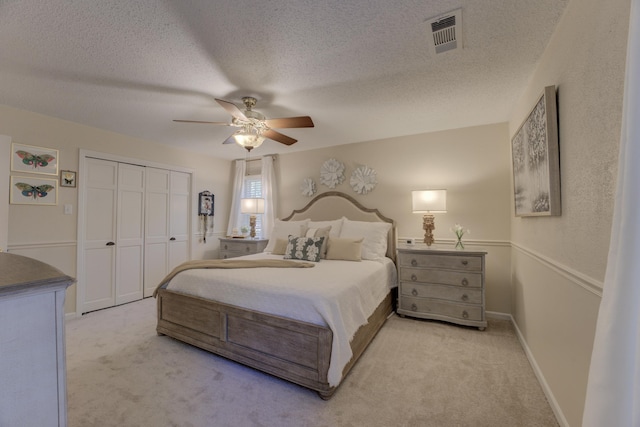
point(130, 224)
point(179, 248)
point(156, 252)
point(100, 234)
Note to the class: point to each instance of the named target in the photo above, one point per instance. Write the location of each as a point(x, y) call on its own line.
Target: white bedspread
point(338, 294)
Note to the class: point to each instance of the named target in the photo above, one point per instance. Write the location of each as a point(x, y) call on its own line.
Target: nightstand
point(231, 248)
point(442, 284)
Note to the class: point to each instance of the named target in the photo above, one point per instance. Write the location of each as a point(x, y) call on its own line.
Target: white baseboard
point(541, 379)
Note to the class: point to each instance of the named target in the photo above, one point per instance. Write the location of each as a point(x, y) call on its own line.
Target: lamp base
point(252, 224)
point(428, 224)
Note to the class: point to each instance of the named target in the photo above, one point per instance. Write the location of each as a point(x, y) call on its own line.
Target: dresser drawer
point(450, 293)
point(239, 247)
point(449, 262)
point(435, 307)
point(443, 277)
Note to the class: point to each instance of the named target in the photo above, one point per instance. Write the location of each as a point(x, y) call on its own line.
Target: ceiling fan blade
point(290, 122)
point(229, 140)
point(208, 123)
point(231, 109)
point(277, 136)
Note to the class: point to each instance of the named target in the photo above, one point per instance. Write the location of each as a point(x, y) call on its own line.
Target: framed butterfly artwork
point(27, 190)
point(67, 179)
point(32, 159)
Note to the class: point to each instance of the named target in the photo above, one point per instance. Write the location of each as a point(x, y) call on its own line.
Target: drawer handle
point(465, 314)
point(464, 262)
point(172, 239)
point(465, 282)
point(414, 263)
point(414, 277)
point(414, 307)
point(414, 292)
point(465, 297)
point(110, 243)
point(247, 248)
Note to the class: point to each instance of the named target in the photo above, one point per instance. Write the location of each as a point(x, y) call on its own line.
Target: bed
point(279, 320)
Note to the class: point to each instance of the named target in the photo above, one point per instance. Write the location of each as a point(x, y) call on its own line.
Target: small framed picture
point(28, 190)
point(32, 159)
point(67, 179)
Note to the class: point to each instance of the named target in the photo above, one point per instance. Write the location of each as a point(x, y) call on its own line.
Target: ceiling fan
point(253, 126)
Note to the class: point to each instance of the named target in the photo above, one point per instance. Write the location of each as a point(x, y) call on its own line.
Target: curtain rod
point(260, 158)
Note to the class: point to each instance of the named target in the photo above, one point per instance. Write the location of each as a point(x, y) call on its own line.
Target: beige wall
point(45, 233)
point(473, 164)
point(559, 263)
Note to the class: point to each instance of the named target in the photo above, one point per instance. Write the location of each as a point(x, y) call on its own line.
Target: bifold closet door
point(167, 241)
point(114, 234)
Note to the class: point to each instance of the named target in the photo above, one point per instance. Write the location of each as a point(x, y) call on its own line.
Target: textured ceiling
point(363, 70)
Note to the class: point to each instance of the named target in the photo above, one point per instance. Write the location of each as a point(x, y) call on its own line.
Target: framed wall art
point(536, 160)
point(27, 190)
point(32, 159)
point(67, 179)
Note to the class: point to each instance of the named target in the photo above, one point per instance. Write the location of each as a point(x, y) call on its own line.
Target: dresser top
point(19, 273)
point(241, 239)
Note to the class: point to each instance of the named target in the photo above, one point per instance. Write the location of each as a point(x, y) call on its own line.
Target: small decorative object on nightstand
point(231, 248)
point(442, 284)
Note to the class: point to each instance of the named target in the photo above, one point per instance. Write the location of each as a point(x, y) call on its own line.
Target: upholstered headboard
point(334, 205)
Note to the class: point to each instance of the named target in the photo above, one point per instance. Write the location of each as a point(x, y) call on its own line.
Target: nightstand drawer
point(434, 307)
point(449, 262)
point(239, 247)
point(449, 293)
point(443, 277)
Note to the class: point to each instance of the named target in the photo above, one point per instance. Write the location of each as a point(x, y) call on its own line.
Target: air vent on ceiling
point(446, 31)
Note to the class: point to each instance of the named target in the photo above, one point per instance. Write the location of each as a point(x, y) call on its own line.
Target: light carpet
point(414, 373)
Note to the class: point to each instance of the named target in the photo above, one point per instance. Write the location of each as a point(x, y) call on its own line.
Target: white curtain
point(613, 391)
point(238, 191)
point(269, 189)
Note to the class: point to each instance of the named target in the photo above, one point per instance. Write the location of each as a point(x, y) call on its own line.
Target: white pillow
point(375, 235)
point(282, 230)
point(336, 226)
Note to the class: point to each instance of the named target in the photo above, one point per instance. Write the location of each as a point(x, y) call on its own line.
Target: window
point(252, 189)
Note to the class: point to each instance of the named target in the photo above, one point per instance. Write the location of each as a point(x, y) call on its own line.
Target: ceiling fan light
point(248, 138)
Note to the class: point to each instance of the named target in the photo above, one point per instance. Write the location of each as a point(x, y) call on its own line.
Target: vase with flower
point(459, 231)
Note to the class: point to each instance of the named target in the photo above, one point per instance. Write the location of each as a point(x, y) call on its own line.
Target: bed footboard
point(296, 351)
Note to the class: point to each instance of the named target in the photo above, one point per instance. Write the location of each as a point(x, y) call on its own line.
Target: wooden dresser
point(231, 248)
point(33, 372)
point(442, 284)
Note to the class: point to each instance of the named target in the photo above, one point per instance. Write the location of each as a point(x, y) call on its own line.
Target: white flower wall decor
point(363, 180)
point(332, 173)
point(308, 187)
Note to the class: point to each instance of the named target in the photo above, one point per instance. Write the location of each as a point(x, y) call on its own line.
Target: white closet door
point(156, 252)
point(130, 235)
point(100, 234)
point(179, 242)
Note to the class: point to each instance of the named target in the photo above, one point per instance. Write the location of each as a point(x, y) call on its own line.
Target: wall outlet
point(408, 240)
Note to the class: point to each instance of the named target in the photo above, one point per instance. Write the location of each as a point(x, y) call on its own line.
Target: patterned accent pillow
point(305, 248)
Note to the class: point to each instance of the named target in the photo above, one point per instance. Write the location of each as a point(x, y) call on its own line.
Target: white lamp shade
point(252, 206)
point(429, 201)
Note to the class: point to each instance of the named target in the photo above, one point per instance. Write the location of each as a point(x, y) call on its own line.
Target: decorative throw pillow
point(280, 247)
point(344, 249)
point(306, 231)
point(305, 248)
point(336, 226)
point(375, 235)
point(282, 230)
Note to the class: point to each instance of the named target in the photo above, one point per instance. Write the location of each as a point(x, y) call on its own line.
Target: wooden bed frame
point(289, 349)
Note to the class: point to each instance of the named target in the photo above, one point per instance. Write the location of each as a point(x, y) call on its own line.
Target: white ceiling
point(363, 70)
